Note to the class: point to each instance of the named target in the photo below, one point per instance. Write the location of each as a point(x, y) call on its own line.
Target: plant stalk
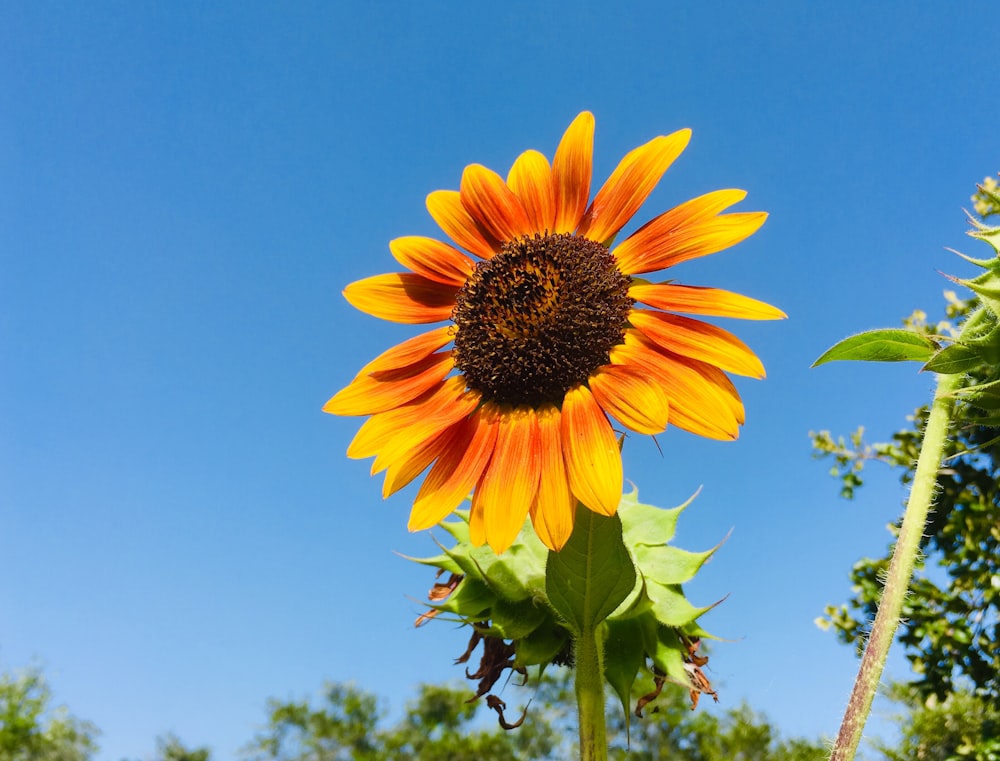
point(900, 570)
point(589, 670)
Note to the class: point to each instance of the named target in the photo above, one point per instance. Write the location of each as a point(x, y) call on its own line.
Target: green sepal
point(670, 606)
point(616, 575)
point(986, 396)
point(646, 525)
point(542, 645)
point(444, 561)
point(472, 600)
point(671, 565)
point(669, 655)
point(591, 576)
point(624, 658)
point(987, 287)
point(989, 234)
point(514, 620)
point(889, 345)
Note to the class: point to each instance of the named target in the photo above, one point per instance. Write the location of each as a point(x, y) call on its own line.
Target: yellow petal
point(554, 509)
point(433, 259)
point(411, 463)
point(510, 483)
point(700, 401)
point(699, 340)
point(387, 389)
point(633, 397)
point(531, 180)
point(459, 468)
point(492, 204)
point(445, 206)
point(572, 167)
point(593, 460)
point(402, 297)
point(630, 184)
point(407, 426)
point(693, 299)
point(687, 231)
point(409, 352)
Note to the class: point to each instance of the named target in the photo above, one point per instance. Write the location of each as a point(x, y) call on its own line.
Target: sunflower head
point(548, 340)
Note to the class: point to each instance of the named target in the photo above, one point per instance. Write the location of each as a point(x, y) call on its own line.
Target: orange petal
point(402, 297)
point(572, 168)
point(458, 469)
point(700, 401)
point(699, 340)
point(388, 389)
point(693, 299)
point(531, 180)
point(632, 397)
point(554, 509)
point(407, 426)
point(445, 206)
point(433, 259)
point(413, 462)
point(510, 484)
point(593, 460)
point(409, 352)
point(687, 231)
point(630, 184)
point(492, 204)
point(477, 523)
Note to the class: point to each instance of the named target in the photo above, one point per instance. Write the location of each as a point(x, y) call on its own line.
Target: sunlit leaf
point(881, 346)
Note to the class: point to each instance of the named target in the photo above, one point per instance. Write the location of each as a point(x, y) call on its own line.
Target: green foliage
point(32, 730)
point(951, 618)
point(962, 727)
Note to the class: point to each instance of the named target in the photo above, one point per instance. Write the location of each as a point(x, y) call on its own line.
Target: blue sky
point(187, 189)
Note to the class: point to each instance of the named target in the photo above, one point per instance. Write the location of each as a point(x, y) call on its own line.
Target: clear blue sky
point(186, 190)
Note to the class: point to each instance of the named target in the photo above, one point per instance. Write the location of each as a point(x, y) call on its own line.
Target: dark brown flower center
point(539, 317)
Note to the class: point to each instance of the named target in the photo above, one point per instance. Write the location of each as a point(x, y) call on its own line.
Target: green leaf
point(956, 358)
point(881, 346)
point(592, 574)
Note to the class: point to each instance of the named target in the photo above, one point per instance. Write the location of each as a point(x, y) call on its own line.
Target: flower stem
point(900, 570)
point(589, 668)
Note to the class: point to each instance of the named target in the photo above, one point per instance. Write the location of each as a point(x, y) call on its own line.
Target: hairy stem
point(589, 669)
point(900, 570)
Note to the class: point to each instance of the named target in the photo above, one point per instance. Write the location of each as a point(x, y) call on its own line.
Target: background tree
point(32, 730)
point(962, 727)
point(441, 725)
point(170, 748)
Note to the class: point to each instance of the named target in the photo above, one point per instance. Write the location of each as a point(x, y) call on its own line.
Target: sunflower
point(547, 340)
